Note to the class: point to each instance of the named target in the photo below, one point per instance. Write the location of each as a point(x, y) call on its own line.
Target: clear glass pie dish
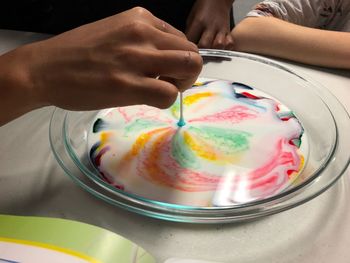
point(323, 119)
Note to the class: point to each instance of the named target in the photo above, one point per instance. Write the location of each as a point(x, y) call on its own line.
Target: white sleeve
point(310, 13)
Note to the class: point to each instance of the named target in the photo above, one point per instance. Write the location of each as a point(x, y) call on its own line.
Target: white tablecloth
point(32, 183)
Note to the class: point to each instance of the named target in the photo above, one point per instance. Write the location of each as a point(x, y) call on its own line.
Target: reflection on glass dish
point(243, 152)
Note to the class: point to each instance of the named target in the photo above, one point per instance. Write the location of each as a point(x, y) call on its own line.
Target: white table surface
point(32, 183)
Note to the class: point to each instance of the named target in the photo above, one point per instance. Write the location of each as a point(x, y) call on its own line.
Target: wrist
point(31, 75)
point(18, 92)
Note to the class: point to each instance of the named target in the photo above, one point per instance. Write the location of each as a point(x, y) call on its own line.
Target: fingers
point(156, 92)
point(183, 76)
point(178, 68)
point(148, 17)
point(219, 41)
point(127, 89)
point(180, 65)
point(166, 41)
point(230, 45)
point(223, 41)
point(194, 32)
point(141, 33)
point(181, 84)
point(206, 39)
point(167, 28)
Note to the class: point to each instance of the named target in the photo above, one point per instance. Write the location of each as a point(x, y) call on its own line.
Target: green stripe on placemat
point(88, 242)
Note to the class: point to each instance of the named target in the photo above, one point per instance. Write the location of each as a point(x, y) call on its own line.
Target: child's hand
point(208, 24)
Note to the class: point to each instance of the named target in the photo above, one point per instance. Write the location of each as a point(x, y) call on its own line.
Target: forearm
point(17, 94)
point(274, 37)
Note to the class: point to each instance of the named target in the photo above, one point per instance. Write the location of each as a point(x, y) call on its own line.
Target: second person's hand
point(208, 24)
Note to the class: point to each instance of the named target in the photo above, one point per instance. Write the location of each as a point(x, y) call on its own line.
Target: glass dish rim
point(184, 209)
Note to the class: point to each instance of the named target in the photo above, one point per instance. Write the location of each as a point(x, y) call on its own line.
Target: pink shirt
point(323, 14)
